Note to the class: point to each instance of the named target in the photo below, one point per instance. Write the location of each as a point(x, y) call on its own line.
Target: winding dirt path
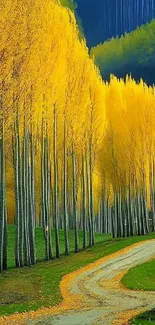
point(93, 295)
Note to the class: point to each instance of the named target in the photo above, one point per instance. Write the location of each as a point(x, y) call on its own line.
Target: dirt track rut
point(102, 298)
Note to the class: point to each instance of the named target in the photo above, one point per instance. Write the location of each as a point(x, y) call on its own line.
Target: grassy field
point(32, 287)
point(147, 318)
point(40, 246)
point(142, 277)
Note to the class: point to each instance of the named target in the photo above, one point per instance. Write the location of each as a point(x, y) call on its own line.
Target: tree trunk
point(84, 203)
point(75, 201)
point(3, 212)
point(65, 194)
point(55, 194)
point(91, 188)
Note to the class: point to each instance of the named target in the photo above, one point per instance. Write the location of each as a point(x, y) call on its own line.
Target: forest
point(123, 43)
point(77, 162)
point(130, 54)
point(76, 153)
point(71, 4)
point(104, 19)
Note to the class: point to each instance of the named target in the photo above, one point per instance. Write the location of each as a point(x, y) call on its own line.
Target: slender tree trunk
point(33, 190)
point(120, 213)
point(152, 197)
point(113, 221)
point(91, 189)
point(17, 241)
point(139, 215)
point(103, 210)
point(3, 212)
point(100, 215)
point(18, 192)
point(84, 203)
point(88, 204)
point(55, 194)
point(128, 213)
point(31, 199)
point(116, 226)
point(45, 195)
point(65, 194)
point(27, 254)
point(75, 200)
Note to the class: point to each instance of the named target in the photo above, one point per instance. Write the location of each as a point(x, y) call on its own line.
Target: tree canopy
point(104, 19)
point(130, 54)
point(71, 4)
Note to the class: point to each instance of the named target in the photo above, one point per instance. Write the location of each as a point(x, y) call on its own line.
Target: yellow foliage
point(43, 64)
point(128, 146)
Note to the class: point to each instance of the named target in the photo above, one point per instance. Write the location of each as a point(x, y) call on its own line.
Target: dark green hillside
point(103, 19)
point(134, 53)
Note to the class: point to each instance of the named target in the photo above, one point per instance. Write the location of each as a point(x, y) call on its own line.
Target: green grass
point(142, 277)
point(148, 318)
point(40, 246)
point(32, 287)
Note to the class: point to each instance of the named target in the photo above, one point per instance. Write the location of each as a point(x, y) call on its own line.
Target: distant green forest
point(69, 3)
point(132, 54)
point(104, 19)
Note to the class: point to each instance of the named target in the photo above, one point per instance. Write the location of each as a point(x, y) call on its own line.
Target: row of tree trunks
point(3, 212)
point(130, 216)
point(126, 215)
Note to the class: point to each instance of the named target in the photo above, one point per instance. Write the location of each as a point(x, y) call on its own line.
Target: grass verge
point(147, 318)
point(33, 287)
point(142, 277)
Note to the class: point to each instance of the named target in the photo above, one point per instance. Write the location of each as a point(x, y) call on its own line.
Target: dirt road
point(97, 295)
